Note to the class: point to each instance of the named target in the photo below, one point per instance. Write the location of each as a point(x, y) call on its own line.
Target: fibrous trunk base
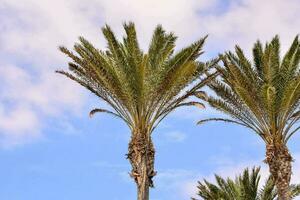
point(280, 165)
point(141, 156)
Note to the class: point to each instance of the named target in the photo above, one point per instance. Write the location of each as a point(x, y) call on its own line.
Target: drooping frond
point(94, 111)
point(219, 119)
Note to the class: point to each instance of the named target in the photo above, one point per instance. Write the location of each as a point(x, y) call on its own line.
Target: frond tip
point(94, 111)
point(219, 119)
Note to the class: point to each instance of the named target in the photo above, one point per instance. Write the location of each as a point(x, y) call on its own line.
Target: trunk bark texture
point(280, 165)
point(141, 156)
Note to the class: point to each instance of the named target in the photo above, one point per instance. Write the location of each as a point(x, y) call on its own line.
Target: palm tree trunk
point(280, 165)
point(143, 185)
point(141, 156)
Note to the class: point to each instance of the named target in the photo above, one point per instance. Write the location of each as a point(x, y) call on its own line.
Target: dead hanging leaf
point(193, 103)
point(199, 105)
point(201, 95)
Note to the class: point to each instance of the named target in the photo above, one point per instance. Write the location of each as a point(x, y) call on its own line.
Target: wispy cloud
point(245, 21)
point(174, 136)
point(105, 164)
point(26, 100)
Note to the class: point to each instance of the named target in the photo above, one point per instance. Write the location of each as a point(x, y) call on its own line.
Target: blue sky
point(51, 149)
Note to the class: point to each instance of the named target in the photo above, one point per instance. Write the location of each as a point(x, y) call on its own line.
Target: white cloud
point(170, 182)
point(174, 136)
point(247, 20)
point(17, 126)
point(25, 100)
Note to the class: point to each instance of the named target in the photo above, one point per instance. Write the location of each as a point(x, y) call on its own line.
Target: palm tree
point(263, 95)
point(141, 88)
point(244, 187)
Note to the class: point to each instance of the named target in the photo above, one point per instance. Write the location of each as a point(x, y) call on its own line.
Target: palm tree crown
point(141, 88)
point(263, 95)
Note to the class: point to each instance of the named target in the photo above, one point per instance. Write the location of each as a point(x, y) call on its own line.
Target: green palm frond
point(295, 190)
point(268, 192)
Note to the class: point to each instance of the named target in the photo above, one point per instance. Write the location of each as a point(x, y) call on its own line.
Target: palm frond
point(96, 110)
point(295, 190)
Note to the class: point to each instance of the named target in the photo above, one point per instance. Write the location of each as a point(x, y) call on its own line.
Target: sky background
point(50, 148)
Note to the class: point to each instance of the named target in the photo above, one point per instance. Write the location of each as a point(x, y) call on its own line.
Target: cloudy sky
point(50, 149)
